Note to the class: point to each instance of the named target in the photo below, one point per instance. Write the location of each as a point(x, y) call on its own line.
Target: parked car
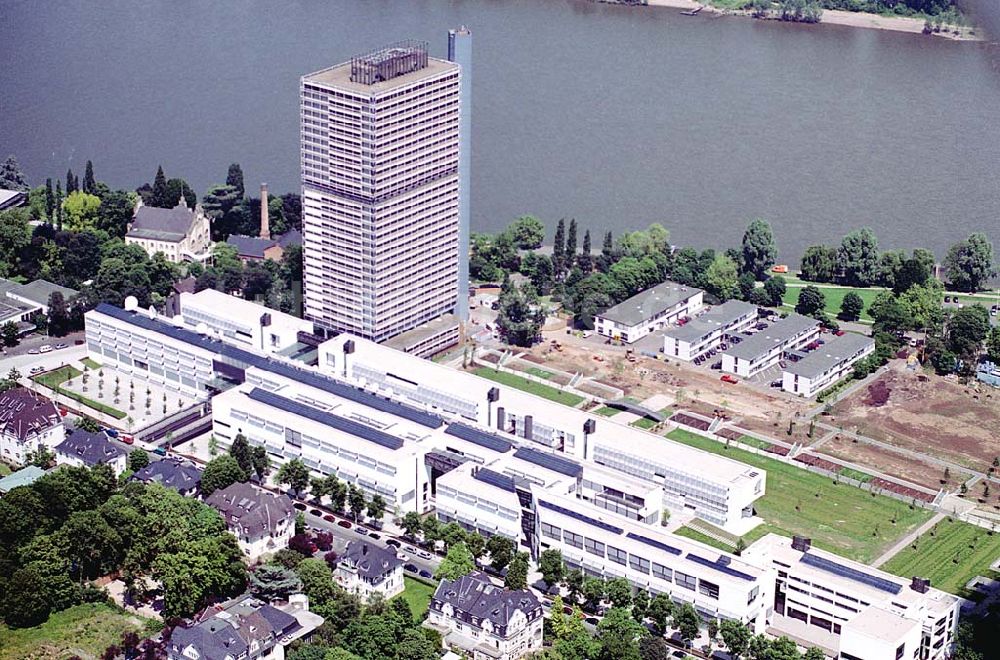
point(424, 573)
point(782, 364)
point(410, 568)
point(717, 365)
point(726, 378)
point(592, 620)
point(111, 433)
point(316, 512)
point(60, 346)
point(402, 556)
point(45, 348)
point(126, 438)
point(346, 524)
point(394, 543)
point(330, 518)
point(423, 554)
point(776, 383)
point(37, 370)
point(839, 333)
point(160, 451)
point(411, 549)
point(374, 536)
point(299, 505)
point(32, 351)
point(361, 530)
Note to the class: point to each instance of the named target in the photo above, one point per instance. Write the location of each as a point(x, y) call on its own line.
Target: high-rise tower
point(460, 52)
point(380, 191)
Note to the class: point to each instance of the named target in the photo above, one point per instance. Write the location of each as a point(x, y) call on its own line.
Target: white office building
point(648, 311)
point(766, 348)
point(688, 341)
point(380, 191)
point(826, 365)
point(854, 610)
point(241, 322)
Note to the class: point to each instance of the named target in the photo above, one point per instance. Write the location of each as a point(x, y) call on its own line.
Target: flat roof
point(423, 332)
point(39, 291)
point(717, 317)
point(222, 304)
point(649, 303)
point(829, 355)
point(779, 332)
point(23, 477)
point(878, 623)
point(339, 77)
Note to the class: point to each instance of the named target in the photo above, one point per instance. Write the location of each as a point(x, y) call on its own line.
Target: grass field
point(607, 411)
point(834, 296)
point(84, 630)
point(647, 423)
point(4, 470)
point(695, 535)
point(541, 373)
point(857, 475)
point(418, 594)
point(839, 518)
point(955, 553)
point(92, 364)
point(530, 386)
point(53, 379)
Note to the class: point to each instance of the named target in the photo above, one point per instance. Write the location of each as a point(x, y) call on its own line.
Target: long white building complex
point(826, 365)
point(766, 348)
point(380, 191)
point(686, 342)
point(652, 309)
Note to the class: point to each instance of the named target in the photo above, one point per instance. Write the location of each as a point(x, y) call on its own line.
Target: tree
point(451, 534)
point(858, 257)
point(559, 249)
point(220, 472)
point(411, 524)
point(521, 317)
point(851, 307)
point(234, 178)
point(551, 566)
point(527, 232)
point(295, 474)
point(619, 633)
point(784, 648)
point(81, 211)
point(722, 278)
point(88, 179)
point(50, 200)
point(457, 563)
point(376, 508)
point(11, 335)
point(137, 459)
point(593, 592)
point(775, 288)
point(814, 653)
point(573, 582)
point(58, 203)
point(967, 330)
point(913, 272)
point(24, 604)
point(242, 452)
point(819, 264)
point(585, 262)
point(619, 592)
point(11, 176)
point(992, 344)
point(660, 610)
point(811, 301)
point(356, 501)
point(653, 648)
point(571, 245)
point(517, 572)
point(969, 263)
point(736, 636)
point(759, 251)
point(271, 582)
point(159, 195)
point(501, 551)
point(687, 622)
point(260, 461)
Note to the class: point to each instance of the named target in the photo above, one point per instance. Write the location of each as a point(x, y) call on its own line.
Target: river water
point(615, 116)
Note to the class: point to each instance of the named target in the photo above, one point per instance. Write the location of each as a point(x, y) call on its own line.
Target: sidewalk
point(908, 539)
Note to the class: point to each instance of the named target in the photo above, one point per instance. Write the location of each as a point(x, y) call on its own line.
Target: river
point(615, 116)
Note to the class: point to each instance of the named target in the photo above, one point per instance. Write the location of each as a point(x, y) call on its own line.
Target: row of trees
point(76, 524)
point(276, 284)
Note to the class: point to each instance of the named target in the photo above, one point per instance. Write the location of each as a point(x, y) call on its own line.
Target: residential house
point(179, 233)
point(86, 449)
point(261, 522)
point(485, 621)
point(10, 199)
point(173, 473)
point(366, 568)
point(27, 421)
point(244, 629)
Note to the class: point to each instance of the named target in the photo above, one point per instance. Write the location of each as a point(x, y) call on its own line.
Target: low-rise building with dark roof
point(174, 473)
point(36, 294)
point(245, 629)
point(484, 620)
point(86, 449)
point(179, 233)
point(366, 568)
point(260, 521)
point(27, 421)
point(258, 248)
point(10, 199)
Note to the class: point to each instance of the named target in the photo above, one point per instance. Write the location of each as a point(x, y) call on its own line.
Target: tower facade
point(380, 191)
point(460, 52)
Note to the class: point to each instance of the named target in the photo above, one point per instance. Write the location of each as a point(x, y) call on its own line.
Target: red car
point(343, 523)
point(726, 378)
point(329, 518)
point(127, 439)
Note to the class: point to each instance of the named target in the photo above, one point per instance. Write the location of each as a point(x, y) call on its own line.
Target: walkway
point(908, 539)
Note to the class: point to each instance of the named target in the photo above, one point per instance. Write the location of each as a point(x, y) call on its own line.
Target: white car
point(402, 556)
point(37, 370)
point(45, 348)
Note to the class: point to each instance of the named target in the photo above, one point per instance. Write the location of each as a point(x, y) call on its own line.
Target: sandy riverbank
point(838, 17)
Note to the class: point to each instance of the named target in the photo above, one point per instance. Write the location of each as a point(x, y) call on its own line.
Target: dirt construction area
point(694, 389)
point(928, 414)
point(887, 461)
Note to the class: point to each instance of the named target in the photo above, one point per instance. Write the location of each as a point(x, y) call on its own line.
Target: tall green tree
point(457, 562)
point(59, 208)
point(501, 551)
point(586, 260)
point(551, 566)
point(736, 636)
point(411, 524)
point(159, 197)
point(295, 474)
point(774, 290)
point(115, 212)
point(967, 330)
point(517, 572)
point(858, 257)
point(242, 452)
point(234, 178)
point(521, 316)
point(137, 459)
point(355, 500)
point(559, 249)
point(571, 245)
point(759, 251)
point(71, 186)
point(11, 176)
point(24, 604)
point(220, 472)
point(81, 211)
point(527, 232)
point(376, 508)
point(819, 264)
point(969, 264)
point(722, 278)
point(89, 184)
point(851, 307)
point(50, 200)
point(270, 582)
point(687, 622)
point(811, 301)
point(619, 635)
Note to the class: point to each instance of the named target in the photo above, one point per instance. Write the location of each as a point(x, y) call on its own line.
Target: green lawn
point(751, 441)
point(834, 296)
point(955, 553)
point(84, 630)
point(541, 373)
point(53, 380)
point(647, 423)
point(695, 535)
point(530, 386)
point(91, 363)
point(857, 475)
point(839, 518)
point(417, 594)
point(4, 470)
point(607, 411)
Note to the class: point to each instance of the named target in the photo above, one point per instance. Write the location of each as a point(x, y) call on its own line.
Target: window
point(899, 652)
point(662, 572)
point(639, 564)
point(551, 532)
point(617, 556)
point(595, 547)
point(572, 539)
point(708, 589)
point(685, 581)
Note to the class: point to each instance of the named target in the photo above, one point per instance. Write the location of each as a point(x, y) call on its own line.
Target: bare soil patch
point(887, 461)
point(934, 416)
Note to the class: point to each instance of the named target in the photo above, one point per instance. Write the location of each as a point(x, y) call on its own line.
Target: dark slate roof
point(186, 285)
point(280, 621)
point(24, 413)
point(219, 633)
point(214, 639)
point(162, 224)
point(91, 448)
point(250, 246)
point(475, 595)
point(372, 563)
point(172, 473)
point(290, 237)
point(252, 509)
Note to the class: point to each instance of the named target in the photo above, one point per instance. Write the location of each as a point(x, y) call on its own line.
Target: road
point(23, 362)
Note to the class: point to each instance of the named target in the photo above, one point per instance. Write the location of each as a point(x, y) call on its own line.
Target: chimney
point(801, 543)
point(265, 227)
point(920, 585)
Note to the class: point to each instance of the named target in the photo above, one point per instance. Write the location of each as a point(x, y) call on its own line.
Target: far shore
point(839, 17)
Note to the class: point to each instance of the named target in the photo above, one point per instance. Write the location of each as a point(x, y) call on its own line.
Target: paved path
point(907, 540)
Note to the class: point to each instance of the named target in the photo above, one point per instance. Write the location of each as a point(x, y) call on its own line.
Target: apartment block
point(766, 348)
point(826, 365)
point(688, 341)
point(653, 309)
point(380, 191)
